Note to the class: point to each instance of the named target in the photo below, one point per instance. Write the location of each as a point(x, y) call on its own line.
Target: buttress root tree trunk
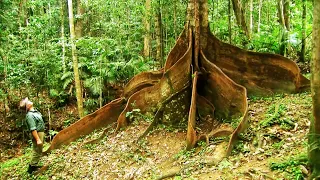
point(203, 81)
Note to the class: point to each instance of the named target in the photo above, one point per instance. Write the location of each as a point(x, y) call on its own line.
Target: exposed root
point(142, 80)
point(102, 117)
point(153, 124)
point(191, 133)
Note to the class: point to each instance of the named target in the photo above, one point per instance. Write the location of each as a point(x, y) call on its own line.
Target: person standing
point(36, 126)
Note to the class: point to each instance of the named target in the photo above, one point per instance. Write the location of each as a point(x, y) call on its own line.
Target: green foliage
point(278, 145)
point(67, 123)
point(17, 167)
point(52, 133)
point(224, 164)
point(10, 163)
point(291, 166)
point(276, 115)
point(135, 115)
point(240, 147)
point(185, 154)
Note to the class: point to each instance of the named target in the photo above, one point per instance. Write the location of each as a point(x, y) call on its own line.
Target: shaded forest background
point(36, 58)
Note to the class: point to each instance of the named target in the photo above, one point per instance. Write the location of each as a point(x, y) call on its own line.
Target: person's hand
point(39, 142)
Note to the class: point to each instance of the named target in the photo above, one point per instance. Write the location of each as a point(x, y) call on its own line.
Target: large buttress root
point(191, 133)
point(261, 73)
point(217, 75)
point(142, 80)
point(172, 81)
point(100, 118)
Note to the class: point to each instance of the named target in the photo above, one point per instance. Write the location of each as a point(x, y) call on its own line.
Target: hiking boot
point(32, 169)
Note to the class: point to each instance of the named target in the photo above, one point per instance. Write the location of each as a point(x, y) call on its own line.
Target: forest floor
point(273, 147)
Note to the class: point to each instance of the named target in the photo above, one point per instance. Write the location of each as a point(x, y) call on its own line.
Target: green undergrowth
point(17, 167)
point(291, 166)
point(276, 115)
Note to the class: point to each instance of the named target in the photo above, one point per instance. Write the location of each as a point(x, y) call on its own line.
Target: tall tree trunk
point(22, 13)
point(303, 32)
point(159, 35)
point(79, 20)
point(229, 22)
point(101, 83)
point(147, 38)
point(175, 18)
point(282, 47)
point(239, 13)
point(63, 36)
point(212, 14)
point(259, 15)
point(251, 17)
point(75, 61)
point(314, 136)
point(286, 14)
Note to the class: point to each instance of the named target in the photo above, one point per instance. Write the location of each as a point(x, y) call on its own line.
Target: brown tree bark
point(202, 77)
point(75, 61)
point(62, 6)
point(229, 22)
point(314, 135)
point(79, 20)
point(241, 20)
point(251, 17)
point(159, 34)
point(286, 13)
point(303, 32)
point(175, 18)
point(147, 37)
point(283, 34)
point(259, 15)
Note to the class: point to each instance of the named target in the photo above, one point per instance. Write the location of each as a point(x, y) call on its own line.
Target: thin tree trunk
point(159, 35)
point(79, 20)
point(282, 48)
point(101, 84)
point(239, 13)
point(314, 136)
point(212, 14)
point(251, 17)
point(22, 13)
point(175, 18)
point(147, 38)
point(49, 121)
point(75, 61)
point(229, 22)
point(259, 17)
point(286, 14)
point(303, 31)
point(63, 36)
